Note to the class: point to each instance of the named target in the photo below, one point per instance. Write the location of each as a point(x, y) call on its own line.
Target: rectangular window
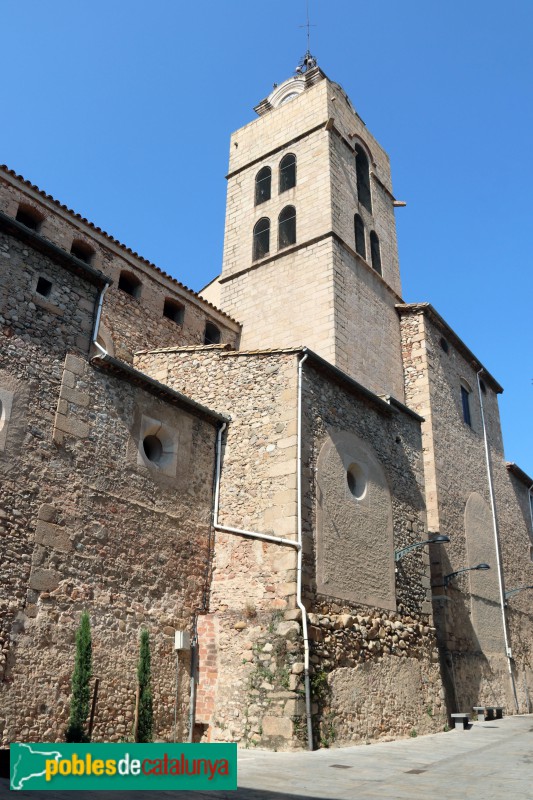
point(465, 398)
point(44, 287)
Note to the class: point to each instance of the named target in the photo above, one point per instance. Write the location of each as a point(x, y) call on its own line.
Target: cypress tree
point(81, 693)
point(144, 677)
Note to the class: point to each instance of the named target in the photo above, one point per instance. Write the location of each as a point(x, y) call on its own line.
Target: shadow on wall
point(468, 676)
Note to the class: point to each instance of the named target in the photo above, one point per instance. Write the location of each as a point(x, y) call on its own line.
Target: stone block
point(277, 726)
point(68, 380)
point(75, 364)
point(47, 512)
point(294, 614)
point(75, 396)
point(294, 708)
point(74, 427)
point(290, 630)
point(44, 580)
point(54, 536)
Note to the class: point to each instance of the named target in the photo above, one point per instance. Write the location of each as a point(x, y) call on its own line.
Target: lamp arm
point(399, 554)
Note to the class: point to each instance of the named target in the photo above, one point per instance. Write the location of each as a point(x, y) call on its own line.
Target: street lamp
point(515, 591)
point(440, 538)
point(448, 578)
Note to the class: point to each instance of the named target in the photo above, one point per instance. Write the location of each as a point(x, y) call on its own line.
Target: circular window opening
point(153, 449)
point(356, 481)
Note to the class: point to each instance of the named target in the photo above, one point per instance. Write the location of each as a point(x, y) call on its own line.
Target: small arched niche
point(129, 283)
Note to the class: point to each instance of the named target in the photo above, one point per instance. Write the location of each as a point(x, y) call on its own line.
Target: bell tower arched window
point(359, 227)
point(375, 252)
point(362, 170)
point(263, 182)
point(287, 227)
point(261, 238)
point(287, 172)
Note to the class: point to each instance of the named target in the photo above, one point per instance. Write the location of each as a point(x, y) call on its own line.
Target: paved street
point(493, 760)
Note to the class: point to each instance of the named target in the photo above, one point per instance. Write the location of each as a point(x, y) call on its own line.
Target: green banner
point(66, 767)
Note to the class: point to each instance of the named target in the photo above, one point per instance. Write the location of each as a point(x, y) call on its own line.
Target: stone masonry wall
point(124, 542)
point(367, 331)
point(376, 672)
point(128, 323)
point(35, 332)
point(351, 132)
point(253, 621)
point(269, 315)
point(84, 522)
point(259, 634)
point(468, 615)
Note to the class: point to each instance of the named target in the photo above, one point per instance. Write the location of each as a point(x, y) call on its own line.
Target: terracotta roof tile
point(112, 239)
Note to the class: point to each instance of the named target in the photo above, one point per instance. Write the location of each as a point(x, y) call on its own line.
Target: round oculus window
point(153, 448)
point(356, 481)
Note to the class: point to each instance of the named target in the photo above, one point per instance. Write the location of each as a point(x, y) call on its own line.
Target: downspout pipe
point(530, 497)
point(97, 321)
point(296, 545)
point(307, 682)
point(508, 651)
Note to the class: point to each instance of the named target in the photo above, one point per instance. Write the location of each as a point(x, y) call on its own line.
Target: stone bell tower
point(310, 252)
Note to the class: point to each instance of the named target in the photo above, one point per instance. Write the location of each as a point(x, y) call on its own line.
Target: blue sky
point(123, 110)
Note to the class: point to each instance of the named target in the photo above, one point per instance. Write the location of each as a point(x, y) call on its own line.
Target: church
point(294, 480)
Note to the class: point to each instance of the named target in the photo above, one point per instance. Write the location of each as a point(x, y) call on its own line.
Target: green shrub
point(81, 693)
point(144, 677)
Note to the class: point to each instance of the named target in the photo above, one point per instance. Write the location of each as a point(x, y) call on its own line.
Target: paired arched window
point(287, 172)
point(212, 334)
point(129, 283)
point(362, 171)
point(359, 228)
point(263, 182)
point(375, 253)
point(287, 227)
point(261, 238)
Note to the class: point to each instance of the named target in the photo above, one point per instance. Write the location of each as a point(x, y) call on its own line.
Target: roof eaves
point(388, 406)
point(519, 473)
point(187, 348)
point(112, 239)
point(427, 308)
point(57, 254)
point(122, 370)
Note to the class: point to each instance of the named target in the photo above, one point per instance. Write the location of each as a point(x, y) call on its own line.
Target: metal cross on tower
point(308, 61)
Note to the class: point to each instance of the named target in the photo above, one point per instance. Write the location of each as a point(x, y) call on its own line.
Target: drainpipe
point(97, 320)
point(508, 651)
point(530, 498)
point(301, 606)
point(297, 545)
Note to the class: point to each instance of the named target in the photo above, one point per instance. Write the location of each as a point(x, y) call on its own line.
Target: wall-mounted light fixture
point(439, 538)
point(448, 578)
point(182, 643)
point(515, 591)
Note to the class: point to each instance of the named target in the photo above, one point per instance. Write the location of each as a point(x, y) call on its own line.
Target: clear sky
point(123, 110)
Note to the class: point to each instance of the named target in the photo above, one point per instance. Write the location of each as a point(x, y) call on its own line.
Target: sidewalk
point(493, 760)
